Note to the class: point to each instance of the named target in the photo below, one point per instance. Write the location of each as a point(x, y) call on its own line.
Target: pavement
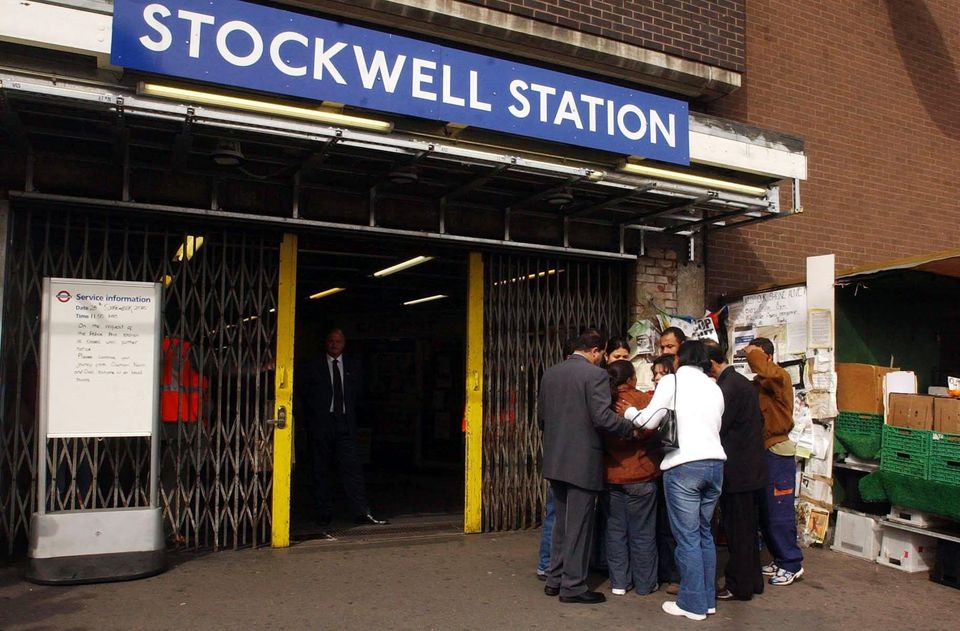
point(448, 581)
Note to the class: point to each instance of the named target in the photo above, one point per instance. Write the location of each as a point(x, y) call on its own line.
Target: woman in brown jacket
point(630, 499)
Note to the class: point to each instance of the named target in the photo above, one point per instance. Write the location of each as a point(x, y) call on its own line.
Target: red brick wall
point(873, 86)
point(708, 31)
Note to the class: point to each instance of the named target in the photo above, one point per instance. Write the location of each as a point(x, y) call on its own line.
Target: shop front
point(264, 165)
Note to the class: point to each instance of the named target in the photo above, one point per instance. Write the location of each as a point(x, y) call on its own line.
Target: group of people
point(600, 443)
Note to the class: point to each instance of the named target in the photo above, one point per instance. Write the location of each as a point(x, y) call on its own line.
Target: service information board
point(264, 48)
point(100, 365)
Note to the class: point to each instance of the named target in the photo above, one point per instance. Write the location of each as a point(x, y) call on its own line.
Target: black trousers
point(741, 521)
point(333, 444)
point(575, 510)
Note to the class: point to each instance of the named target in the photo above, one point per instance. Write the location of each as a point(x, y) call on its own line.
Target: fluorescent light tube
point(417, 260)
point(427, 299)
point(263, 107)
point(326, 292)
point(689, 178)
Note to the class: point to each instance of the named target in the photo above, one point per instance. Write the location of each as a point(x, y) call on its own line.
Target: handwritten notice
point(100, 357)
point(781, 307)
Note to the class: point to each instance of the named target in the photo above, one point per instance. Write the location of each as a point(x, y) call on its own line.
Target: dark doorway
point(411, 402)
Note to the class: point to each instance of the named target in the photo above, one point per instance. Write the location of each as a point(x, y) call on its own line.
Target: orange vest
point(182, 389)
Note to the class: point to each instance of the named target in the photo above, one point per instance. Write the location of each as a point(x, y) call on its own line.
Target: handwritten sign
point(782, 306)
point(100, 357)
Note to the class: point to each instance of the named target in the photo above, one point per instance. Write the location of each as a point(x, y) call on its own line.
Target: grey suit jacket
point(573, 407)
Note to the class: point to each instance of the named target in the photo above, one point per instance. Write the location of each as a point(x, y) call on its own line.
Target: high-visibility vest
point(182, 388)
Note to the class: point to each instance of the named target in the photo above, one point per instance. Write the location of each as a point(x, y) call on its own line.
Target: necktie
point(337, 389)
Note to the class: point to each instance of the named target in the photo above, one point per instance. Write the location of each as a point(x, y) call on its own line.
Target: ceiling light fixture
point(427, 299)
point(689, 178)
point(188, 248)
point(403, 175)
point(559, 198)
point(399, 267)
point(262, 107)
point(326, 292)
point(228, 153)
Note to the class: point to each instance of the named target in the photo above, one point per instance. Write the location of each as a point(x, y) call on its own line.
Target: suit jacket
point(317, 388)
point(741, 434)
point(573, 404)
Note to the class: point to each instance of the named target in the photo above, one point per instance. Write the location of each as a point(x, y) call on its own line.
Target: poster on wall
point(784, 309)
point(100, 349)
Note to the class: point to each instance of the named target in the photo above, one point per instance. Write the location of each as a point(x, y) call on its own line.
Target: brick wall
point(656, 281)
point(873, 86)
point(708, 31)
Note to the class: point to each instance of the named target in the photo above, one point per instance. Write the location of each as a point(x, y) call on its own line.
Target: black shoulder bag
point(666, 431)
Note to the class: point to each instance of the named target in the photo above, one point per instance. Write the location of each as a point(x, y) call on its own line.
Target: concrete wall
point(872, 87)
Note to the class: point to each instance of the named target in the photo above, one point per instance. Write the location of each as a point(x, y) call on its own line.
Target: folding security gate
point(531, 305)
point(219, 309)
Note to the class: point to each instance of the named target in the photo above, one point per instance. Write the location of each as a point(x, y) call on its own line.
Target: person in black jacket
point(744, 477)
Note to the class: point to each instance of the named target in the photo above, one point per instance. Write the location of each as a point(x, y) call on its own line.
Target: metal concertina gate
point(220, 296)
point(531, 305)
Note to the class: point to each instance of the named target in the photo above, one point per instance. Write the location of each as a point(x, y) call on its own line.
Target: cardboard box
point(946, 415)
point(860, 387)
point(911, 410)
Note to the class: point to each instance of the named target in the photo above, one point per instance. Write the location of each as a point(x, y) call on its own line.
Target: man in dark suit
point(744, 477)
point(573, 405)
point(331, 388)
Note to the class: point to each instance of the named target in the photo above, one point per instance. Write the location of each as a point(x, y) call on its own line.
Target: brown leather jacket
point(626, 461)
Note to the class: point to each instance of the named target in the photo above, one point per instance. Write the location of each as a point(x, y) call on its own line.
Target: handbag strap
point(668, 409)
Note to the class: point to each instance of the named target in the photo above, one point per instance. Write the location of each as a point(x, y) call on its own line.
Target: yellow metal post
point(473, 415)
point(283, 436)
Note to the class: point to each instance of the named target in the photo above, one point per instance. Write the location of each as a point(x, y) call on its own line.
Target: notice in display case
point(100, 345)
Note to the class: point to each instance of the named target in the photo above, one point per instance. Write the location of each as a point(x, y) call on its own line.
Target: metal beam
point(291, 223)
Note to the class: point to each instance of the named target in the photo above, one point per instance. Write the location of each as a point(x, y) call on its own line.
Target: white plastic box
point(907, 551)
point(857, 534)
point(914, 517)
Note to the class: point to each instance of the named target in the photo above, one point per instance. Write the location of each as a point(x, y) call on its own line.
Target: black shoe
point(588, 598)
point(551, 591)
point(370, 520)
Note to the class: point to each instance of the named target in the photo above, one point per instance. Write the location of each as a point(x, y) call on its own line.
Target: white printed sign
point(100, 357)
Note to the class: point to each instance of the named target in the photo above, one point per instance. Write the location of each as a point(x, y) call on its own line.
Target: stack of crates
point(921, 454)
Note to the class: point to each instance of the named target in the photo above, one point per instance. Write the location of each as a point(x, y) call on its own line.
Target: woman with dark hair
point(617, 348)
point(662, 366)
point(630, 498)
point(692, 474)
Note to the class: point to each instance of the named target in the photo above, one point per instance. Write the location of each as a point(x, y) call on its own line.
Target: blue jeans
point(631, 535)
point(693, 489)
point(546, 535)
point(778, 517)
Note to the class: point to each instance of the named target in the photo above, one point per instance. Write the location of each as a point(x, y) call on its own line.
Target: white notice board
point(100, 345)
point(783, 309)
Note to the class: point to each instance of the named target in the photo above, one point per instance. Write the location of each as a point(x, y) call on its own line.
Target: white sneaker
point(783, 577)
point(711, 611)
point(673, 609)
point(769, 570)
point(616, 591)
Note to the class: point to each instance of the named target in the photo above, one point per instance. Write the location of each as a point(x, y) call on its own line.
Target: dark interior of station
point(412, 360)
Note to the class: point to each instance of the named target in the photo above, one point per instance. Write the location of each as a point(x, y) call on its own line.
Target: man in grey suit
point(573, 406)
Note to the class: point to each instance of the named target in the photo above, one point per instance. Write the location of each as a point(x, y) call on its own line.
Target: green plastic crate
point(904, 440)
point(859, 423)
point(905, 463)
point(945, 458)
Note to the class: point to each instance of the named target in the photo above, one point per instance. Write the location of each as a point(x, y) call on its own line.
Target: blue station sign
point(246, 45)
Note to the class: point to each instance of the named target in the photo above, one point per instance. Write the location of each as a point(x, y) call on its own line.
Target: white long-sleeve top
point(699, 406)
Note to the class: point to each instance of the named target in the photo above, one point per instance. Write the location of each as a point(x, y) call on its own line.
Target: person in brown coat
point(630, 497)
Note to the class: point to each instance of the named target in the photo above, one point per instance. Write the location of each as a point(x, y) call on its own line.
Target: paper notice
point(826, 381)
point(821, 328)
point(823, 360)
point(796, 337)
point(822, 404)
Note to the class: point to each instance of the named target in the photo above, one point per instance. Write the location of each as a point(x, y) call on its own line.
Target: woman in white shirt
point(692, 474)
